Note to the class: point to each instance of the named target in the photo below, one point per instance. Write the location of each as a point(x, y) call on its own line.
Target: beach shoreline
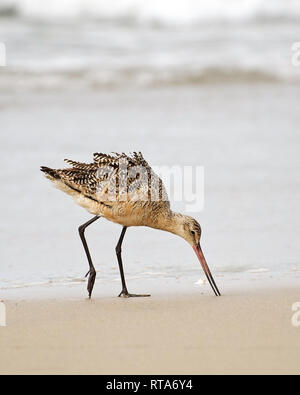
point(208, 92)
point(183, 328)
point(242, 332)
point(251, 183)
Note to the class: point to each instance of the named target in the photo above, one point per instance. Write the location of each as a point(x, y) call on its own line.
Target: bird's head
point(190, 230)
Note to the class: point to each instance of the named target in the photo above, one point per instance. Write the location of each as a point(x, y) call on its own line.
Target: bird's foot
point(126, 294)
point(91, 281)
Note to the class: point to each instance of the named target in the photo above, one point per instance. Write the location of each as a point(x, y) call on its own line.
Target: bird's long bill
point(205, 267)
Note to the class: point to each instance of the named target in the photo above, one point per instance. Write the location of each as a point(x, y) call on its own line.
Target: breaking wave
point(75, 52)
point(18, 80)
point(163, 12)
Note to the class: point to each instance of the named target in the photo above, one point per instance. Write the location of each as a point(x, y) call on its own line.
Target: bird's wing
point(128, 176)
point(81, 179)
point(141, 180)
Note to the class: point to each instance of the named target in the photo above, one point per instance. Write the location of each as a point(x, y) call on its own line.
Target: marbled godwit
point(99, 187)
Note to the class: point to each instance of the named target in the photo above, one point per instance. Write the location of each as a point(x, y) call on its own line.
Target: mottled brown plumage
point(124, 189)
point(131, 204)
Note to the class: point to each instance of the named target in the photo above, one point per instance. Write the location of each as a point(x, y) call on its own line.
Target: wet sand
point(242, 332)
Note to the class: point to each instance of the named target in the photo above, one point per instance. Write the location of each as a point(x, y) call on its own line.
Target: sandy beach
point(252, 201)
point(211, 87)
point(242, 332)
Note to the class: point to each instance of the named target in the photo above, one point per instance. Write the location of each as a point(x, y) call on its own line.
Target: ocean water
point(247, 139)
point(195, 83)
point(77, 44)
point(163, 11)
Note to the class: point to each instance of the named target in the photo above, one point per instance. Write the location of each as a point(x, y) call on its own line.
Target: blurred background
point(212, 83)
point(94, 44)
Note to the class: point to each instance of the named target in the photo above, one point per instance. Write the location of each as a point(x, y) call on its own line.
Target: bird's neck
point(170, 222)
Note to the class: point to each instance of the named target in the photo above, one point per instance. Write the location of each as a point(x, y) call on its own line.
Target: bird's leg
point(124, 293)
point(92, 271)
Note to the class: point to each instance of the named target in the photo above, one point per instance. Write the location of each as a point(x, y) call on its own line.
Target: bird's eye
point(192, 232)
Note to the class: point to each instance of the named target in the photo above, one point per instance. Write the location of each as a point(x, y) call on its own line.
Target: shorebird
point(124, 189)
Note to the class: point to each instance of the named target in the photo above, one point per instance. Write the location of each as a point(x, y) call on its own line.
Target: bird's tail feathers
point(50, 173)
